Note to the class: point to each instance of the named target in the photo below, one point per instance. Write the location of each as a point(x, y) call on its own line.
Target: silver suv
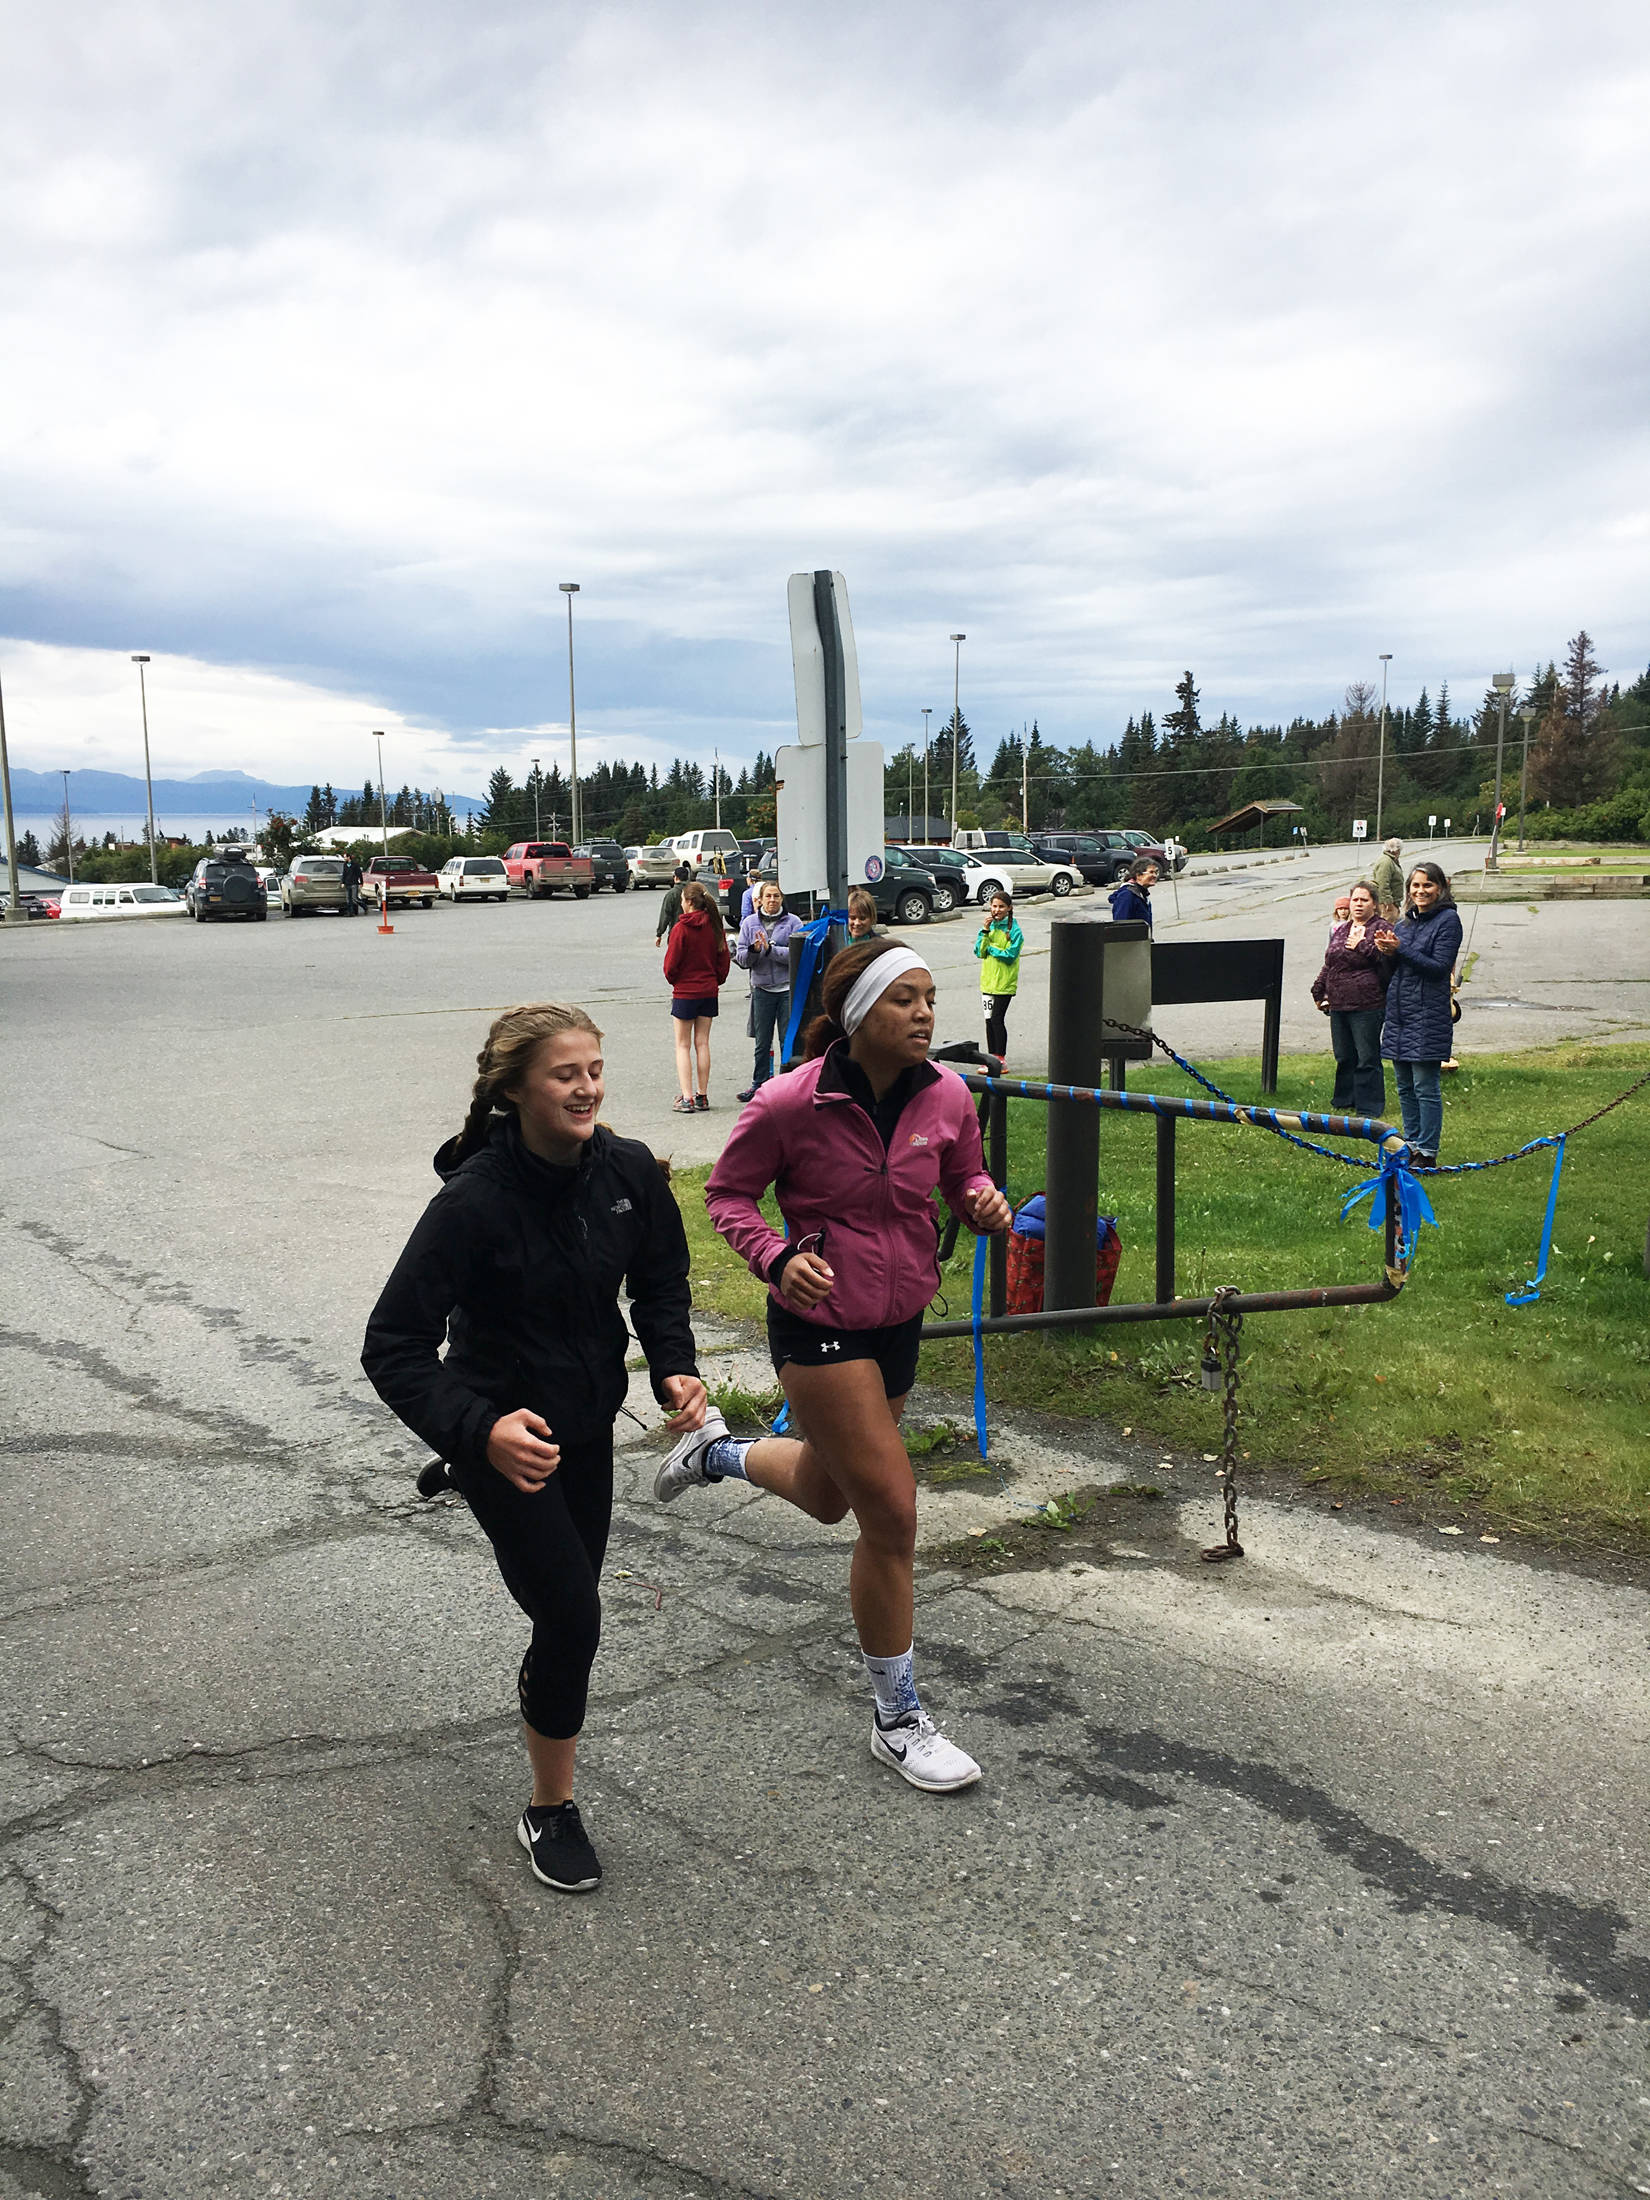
point(312, 884)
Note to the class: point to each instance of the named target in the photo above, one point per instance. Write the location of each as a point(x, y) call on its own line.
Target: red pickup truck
point(549, 867)
point(398, 881)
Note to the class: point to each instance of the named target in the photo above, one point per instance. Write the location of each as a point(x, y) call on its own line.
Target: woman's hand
point(987, 1211)
point(806, 1280)
point(520, 1447)
point(688, 1395)
point(1322, 1008)
point(1386, 943)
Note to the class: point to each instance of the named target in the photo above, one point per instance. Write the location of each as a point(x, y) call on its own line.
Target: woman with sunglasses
point(855, 1144)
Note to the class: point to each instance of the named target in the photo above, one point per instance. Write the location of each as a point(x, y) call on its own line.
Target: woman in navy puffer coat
point(1416, 1034)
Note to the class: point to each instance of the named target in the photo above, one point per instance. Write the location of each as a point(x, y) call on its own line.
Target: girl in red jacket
point(855, 1144)
point(696, 962)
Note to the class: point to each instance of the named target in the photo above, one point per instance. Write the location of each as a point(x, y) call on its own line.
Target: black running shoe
point(434, 1480)
point(558, 1848)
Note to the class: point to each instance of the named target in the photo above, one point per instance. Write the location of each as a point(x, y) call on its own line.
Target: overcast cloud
point(1122, 337)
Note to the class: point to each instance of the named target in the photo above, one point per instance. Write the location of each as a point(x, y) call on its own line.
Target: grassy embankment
point(1533, 1416)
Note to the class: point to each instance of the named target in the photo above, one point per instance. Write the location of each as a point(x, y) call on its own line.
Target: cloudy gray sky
point(1124, 337)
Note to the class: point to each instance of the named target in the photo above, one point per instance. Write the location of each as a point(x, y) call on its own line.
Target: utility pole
point(15, 912)
point(716, 783)
point(1502, 682)
point(537, 835)
point(1527, 714)
point(1025, 783)
point(148, 783)
point(1380, 767)
point(956, 717)
point(384, 924)
point(927, 713)
point(570, 589)
point(68, 824)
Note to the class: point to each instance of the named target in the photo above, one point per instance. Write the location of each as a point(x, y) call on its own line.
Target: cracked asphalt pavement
point(1322, 1873)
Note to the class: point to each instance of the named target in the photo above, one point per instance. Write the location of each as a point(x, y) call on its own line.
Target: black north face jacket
point(517, 1267)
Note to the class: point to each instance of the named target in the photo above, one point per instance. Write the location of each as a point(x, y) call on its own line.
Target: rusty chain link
point(1220, 1348)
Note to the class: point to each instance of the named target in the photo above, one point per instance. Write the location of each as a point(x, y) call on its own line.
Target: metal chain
point(1224, 1329)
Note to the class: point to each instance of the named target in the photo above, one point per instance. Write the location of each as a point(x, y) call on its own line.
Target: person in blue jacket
point(1415, 1033)
point(1131, 898)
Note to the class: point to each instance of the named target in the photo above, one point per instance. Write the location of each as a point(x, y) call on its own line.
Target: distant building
point(340, 836)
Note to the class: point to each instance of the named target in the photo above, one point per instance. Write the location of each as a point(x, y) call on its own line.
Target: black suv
point(1101, 857)
point(226, 886)
point(608, 863)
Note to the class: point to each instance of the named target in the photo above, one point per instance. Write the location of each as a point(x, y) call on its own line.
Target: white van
point(84, 902)
point(697, 848)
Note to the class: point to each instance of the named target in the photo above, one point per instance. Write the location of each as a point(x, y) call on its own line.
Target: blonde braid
point(511, 1044)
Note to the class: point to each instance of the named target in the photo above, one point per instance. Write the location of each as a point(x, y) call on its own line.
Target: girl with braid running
point(855, 1143)
point(516, 1266)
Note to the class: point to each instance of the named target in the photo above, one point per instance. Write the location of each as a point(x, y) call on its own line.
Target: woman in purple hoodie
point(764, 949)
point(854, 1144)
point(1350, 990)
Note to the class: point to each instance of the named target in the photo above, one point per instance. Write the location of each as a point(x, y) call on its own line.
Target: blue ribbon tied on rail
point(1528, 1296)
point(814, 934)
point(1397, 1181)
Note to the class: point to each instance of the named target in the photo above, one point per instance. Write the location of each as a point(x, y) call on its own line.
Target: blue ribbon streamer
point(1395, 1181)
point(981, 1254)
point(1533, 1292)
point(814, 934)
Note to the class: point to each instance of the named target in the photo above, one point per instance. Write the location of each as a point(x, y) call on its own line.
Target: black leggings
point(996, 1022)
point(549, 1549)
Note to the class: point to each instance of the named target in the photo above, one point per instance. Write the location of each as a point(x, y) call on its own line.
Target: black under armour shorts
point(811, 1344)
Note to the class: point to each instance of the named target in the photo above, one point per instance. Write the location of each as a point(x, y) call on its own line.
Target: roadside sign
point(799, 798)
point(1432, 822)
point(1360, 828)
point(808, 657)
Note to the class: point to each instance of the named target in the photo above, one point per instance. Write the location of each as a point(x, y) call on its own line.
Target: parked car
point(985, 838)
point(34, 905)
point(1144, 844)
point(120, 901)
point(1021, 874)
point(1100, 864)
point(607, 864)
point(474, 878)
point(541, 867)
point(225, 886)
point(944, 866)
point(396, 882)
point(652, 866)
point(312, 884)
point(905, 893)
point(699, 847)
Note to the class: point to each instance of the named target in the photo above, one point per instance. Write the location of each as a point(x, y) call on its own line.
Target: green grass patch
point(1533, 1416)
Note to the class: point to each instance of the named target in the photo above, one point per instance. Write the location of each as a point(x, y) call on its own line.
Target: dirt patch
point(1117, 1525)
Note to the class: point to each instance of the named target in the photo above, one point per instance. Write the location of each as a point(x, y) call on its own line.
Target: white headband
point(873, 981)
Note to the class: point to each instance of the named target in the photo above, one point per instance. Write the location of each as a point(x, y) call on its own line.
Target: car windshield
point(153, 893)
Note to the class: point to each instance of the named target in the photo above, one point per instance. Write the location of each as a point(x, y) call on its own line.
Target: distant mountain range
point(203, 794)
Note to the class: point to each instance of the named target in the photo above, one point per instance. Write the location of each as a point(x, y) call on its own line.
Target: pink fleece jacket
point(821, 1153)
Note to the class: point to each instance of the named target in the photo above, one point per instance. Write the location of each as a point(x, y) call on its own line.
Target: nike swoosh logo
point(533, 1831)
point(894, 1749)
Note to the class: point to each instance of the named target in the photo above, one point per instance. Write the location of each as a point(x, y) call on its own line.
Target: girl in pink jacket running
point(855, 1144)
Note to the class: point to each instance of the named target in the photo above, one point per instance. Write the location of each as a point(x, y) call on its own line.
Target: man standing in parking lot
point(670, 901)
point(1389, 879)
point(351, 880)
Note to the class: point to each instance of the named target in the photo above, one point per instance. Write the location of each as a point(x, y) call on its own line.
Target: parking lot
point(1324, 1874)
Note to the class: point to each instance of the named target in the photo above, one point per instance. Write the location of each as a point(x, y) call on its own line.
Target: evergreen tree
point(1570, 758)
point(502, 814)
point(1183, 721)
point(28, 850)
point(315, 814)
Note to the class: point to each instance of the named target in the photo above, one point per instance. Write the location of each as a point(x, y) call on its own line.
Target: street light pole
point(1380, 767)
point(927, 713)
point(15, 912)
point(68, 825)
point(1527, 713)
point(956, 717)
point(384, 924)
point(1502, 682)
point(148, 783)
point(570, 589)
point(537, 834)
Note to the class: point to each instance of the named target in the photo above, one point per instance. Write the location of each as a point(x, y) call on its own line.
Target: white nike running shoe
point(920, 1753)
point(686, 1464)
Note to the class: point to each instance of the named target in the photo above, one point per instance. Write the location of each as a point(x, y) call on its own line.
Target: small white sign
point(1360, 828)
point(799, 798)
point(1432, 822)
point(808, 658)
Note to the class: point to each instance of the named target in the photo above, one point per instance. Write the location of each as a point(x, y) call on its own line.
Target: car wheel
point(944, 900)
point(260, 916)
point(912, 908)
point(1061, 883)
point(621, 886)
point(581, 893)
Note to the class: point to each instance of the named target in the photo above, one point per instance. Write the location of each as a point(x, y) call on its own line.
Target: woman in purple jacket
point(854, 1144)
point(764, 949)
point(1350, 990)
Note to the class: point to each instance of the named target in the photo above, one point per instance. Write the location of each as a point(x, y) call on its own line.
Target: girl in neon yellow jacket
point(999, 947)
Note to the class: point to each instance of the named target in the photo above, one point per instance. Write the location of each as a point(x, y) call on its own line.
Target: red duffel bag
point(1025, 1259)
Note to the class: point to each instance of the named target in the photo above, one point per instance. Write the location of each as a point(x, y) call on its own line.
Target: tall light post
point(537, 832)
point(1527, 714)
point(148, 784)
point(927, 713)
point(570, 589)
point(1502, 682)
point(68, 825)
point(15, 912)
point(384, 924)
point(1380, 767)
point(957, 640)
